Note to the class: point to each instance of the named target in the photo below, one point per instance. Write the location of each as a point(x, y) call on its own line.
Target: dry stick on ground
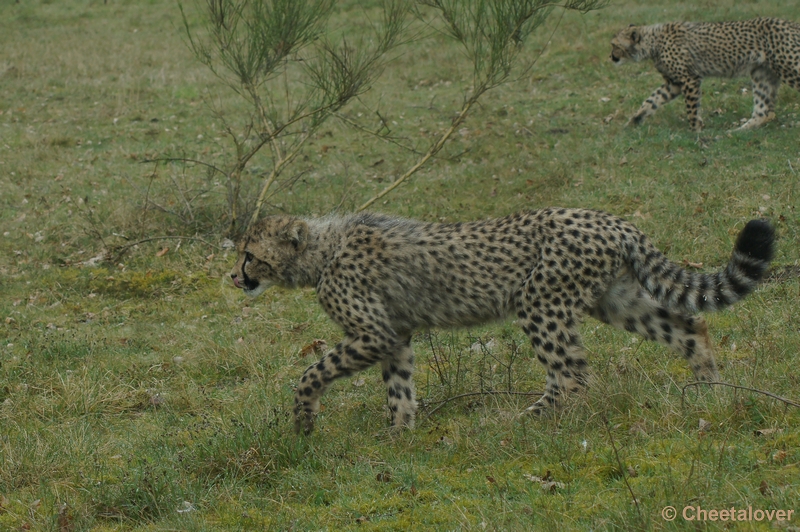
point(118, 252)
point(736, 386)
point(619, 463)
point(486, 392)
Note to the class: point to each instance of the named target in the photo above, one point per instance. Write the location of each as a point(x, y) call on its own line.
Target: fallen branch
point(116, 253)
point(488, 392)
point(738, 387)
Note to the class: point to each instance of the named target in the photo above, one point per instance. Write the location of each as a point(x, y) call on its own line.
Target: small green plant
point(491, 34)
point(280, 58)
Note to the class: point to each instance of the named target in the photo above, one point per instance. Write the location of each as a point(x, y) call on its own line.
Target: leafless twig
point(486, 392)
point(738, 387)
point(619, 464)
point(118, 251)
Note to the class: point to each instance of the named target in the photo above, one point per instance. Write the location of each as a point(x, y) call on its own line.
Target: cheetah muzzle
point(381, 278)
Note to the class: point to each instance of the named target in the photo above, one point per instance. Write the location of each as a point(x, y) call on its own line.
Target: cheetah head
point(268, 254)
point(627, 45)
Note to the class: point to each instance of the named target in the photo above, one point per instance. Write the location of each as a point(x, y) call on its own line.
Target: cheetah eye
point(248, 257)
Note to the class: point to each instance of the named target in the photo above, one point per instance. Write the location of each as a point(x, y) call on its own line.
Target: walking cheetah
point(381, 278)
point(766, 49)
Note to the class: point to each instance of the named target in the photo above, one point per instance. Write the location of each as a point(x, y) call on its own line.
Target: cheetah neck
point(650, 46)
point(324, 238)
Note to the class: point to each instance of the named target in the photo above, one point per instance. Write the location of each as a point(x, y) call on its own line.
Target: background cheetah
point(766, 49)
point(380, 278)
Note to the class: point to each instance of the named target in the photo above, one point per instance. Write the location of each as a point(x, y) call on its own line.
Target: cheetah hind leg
point(626, 306)
point(765, 94)
point(397, 374)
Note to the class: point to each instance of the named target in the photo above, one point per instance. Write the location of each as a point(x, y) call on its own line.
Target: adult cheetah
point(766, 49)
point(381, 278)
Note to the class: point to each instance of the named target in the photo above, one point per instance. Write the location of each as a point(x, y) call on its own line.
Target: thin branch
point(619, 464)
point(183, 160)
point(387, 138)
point(276, 171)
point(433, 150)
point(118, 252)
point(443, 402)
point(738, 387)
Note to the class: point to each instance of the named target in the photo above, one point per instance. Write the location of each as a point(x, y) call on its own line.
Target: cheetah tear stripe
point(381, 278)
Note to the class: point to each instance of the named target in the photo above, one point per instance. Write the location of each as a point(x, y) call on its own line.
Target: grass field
point(147, 394)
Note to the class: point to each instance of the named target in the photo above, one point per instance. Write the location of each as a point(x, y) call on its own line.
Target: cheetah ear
point(636, 37)
point(296, 233)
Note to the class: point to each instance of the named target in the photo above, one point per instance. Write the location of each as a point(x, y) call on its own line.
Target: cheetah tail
point(692, 292)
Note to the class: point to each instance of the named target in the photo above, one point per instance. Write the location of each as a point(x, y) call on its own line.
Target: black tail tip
point(757, 240)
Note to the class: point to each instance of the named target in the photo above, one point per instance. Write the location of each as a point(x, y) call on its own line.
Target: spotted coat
point(766, 49)
point(381, 278)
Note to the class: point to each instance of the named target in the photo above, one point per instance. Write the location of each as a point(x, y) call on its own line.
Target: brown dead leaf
point(611, 117)
point(359, 382)
point(384, 476)
point(623, 161)
point(163, 252)
point(767, 432)
point(639, 428)
point(65, 523)
point(4, 502)
point(362, 519)
point(156, 399)
point(490, 479)
point(765, 489)
point(413, 490)
point(689, 264)
point(704, 425)
point(546, 483)
point(779, 456)
point(316, 347)
point(300, 327)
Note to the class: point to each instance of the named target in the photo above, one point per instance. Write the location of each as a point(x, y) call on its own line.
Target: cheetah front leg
point(397, 374)
point(765, 94)
point(666, 92)
point(356, 352)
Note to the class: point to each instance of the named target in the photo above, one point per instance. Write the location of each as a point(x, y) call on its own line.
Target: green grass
point(135, 391)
